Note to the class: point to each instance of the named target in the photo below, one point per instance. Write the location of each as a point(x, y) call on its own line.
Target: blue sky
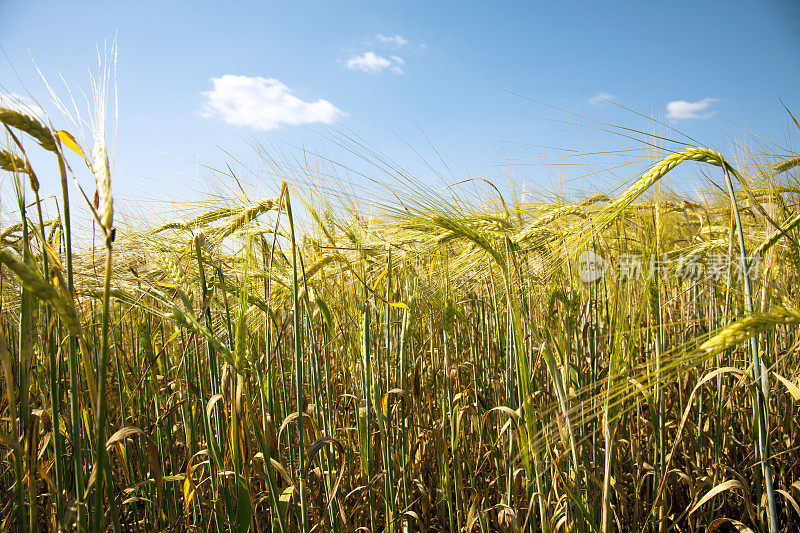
point(407, 77)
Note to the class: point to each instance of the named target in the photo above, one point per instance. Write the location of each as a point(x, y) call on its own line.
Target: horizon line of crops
point(433, 368)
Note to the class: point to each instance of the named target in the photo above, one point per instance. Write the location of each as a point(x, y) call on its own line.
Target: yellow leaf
point(154, 341)
point(171, 338)
point(793, 389)
point(53, 255)
point(378, 282)
point(730, 484)
point(56, 239)
point(188, 492)
point(398, 305)
point(70, 142)
point(286, 495)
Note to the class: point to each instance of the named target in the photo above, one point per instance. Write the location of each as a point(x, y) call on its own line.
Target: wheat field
point(620, 362)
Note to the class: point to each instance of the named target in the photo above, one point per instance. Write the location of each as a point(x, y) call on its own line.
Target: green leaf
point(244, 509)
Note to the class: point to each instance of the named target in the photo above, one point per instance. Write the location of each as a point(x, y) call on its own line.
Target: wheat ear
point(775, 237)
point(658, 171)
point(41, 289)
point(24, 122)
point(102, 177)
point(740, 331)
point(10, 162)
point(783, 166)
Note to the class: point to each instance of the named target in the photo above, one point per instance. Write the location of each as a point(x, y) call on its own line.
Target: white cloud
point(368, 62)
point(397, 40)
point(601, 98)
point(398, 61)
point(22, 104)
point(263, 104)
point(372, 63)
point(681, 109)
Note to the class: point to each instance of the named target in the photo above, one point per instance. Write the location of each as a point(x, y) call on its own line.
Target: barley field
point(618, 362)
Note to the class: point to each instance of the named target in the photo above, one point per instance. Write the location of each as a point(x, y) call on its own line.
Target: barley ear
point(26, 123)
point(41, 289)
point(775, 237)
point(656, 172)
point(783, 166)
point(10, 162)
point(102, 177)
point(742, 330)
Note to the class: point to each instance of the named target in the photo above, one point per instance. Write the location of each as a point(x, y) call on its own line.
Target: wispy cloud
point(263, 104)
point(398, 40)
point(372, 63)
point(398, 62)
point(21, 103)
point(681, 109)
point(601, 98)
